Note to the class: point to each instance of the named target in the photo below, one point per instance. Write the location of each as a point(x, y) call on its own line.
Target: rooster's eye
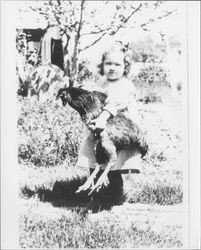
point(67, 96)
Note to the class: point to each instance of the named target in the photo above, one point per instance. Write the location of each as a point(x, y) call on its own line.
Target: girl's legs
point(116, 187)
point(86, 154)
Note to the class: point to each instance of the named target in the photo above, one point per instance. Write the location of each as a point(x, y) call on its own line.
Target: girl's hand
point(98, 124)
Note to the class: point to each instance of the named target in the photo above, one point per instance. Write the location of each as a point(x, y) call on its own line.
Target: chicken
point(120, 132)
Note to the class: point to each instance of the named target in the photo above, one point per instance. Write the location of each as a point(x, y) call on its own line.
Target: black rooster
point(120, 132)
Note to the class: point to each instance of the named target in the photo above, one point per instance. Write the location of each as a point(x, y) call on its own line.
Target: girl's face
point(113, 66)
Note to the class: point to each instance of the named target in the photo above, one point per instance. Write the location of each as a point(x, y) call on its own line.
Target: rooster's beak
point(57, 97)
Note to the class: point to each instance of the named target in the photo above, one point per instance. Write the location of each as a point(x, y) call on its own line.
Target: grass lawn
point(52, 217)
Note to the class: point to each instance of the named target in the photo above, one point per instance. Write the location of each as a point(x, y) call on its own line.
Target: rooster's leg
point(90, 181)
point(103, 179)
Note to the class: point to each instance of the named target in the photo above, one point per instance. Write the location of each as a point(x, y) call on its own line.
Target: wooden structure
point(49, 44)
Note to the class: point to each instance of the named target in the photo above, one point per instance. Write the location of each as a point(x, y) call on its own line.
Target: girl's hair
point(117, 47)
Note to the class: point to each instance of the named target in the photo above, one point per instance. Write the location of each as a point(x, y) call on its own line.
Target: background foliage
point(47, 133)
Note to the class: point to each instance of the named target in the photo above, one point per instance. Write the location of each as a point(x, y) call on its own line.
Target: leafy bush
point(32, 56)
point(151, 84)
point(151, 76)
point(26, 60)
point(48, 134)
point(148, 51)
point(84, 72)
point(21, 42)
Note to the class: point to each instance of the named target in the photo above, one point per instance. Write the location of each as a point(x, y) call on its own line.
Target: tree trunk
point(74, 60)
point(74, 66)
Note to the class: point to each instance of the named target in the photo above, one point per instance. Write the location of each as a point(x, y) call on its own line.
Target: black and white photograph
point(100, 124)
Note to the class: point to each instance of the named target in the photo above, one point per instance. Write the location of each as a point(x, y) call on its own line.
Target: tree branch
point(126, 20)
point(167, 14)
point(144, 25)
point(113, 32)
point(90, 45)
point(75, 52)
point(93, 32)
point(55, 15)
point(81, 17)
point(38, 11)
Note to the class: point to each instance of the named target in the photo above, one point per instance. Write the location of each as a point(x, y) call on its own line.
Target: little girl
point(114, 68)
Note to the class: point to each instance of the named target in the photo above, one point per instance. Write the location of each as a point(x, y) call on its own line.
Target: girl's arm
point(118, 99)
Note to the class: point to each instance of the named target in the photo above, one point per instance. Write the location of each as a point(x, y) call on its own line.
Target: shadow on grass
point(63, 195)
